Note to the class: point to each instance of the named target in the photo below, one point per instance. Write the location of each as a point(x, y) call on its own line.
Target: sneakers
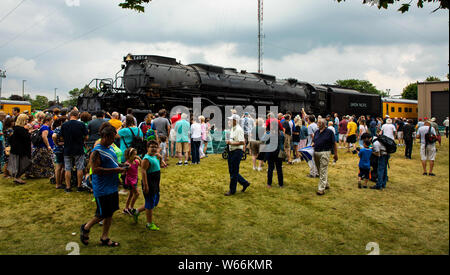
point(68, 190)
point(186, 163)
point(359, 185)
point(179, 163)
point(254, 168)
point(152, 226)
point(259, 169)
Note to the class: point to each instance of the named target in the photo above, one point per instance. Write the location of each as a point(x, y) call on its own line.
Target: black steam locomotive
point(151, 82)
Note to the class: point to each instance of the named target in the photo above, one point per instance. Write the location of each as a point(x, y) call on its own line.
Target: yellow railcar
point(8, 105)
point(400, 108)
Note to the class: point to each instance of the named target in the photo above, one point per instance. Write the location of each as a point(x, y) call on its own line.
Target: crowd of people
point(99, 152)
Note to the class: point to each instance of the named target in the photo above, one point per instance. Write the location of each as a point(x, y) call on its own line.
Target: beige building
point(433, 100)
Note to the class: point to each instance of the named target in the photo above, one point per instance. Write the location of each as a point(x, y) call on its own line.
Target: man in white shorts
point(427, 150)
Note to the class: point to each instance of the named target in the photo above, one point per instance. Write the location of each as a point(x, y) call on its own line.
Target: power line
point(4, 17)
point(33, 25)
point(69, 41)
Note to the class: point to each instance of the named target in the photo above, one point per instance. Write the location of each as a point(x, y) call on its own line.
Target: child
point(364, 164)
point(151, 176)
point(163, 149)
point(132, 161)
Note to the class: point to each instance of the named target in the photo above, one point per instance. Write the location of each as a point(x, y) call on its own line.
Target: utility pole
point(23, 89)
point(2, 75)
point(260, 35)
point(55, 94)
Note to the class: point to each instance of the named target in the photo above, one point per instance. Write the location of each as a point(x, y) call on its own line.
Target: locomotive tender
point(151, 82)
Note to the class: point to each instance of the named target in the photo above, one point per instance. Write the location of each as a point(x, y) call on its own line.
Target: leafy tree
point(362, 86)
point(443, 4)
point(16, 97)
point(410, 91)
point(432, 78)
point(74, 94)
point(136, 5)
point(40, 103)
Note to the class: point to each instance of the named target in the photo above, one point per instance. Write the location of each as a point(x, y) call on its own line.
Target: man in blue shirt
point(105, 182)
point(364, 164)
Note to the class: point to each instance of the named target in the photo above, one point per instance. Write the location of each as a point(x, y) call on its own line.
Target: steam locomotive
point(151, 82)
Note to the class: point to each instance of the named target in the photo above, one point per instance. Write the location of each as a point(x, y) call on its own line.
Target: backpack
point(150, 135)
point(429, 137)
point(36, 137)
point(389, 143)
point(137, 143)
point(144, 128)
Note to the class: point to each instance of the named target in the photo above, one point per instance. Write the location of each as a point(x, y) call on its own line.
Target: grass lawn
point(410, 217)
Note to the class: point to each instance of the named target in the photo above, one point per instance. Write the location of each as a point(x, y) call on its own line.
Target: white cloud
point(328, 42)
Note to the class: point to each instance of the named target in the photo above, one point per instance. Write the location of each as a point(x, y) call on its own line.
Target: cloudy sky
point(65, 43)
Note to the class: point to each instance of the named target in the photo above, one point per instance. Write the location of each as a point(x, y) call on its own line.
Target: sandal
point(18, 181)
point(109, 243)
point(84, 240)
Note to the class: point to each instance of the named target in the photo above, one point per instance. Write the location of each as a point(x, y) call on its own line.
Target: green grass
point(410, 217)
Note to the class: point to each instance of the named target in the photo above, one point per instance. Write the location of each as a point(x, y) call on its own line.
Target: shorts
point(107, 205)
point(129, 185)
point(400, 135)
point(70, 161)
point(428, 152)
point(59, 158)
point(254, 147)
point(351, 139)
point(182, 147)
point(342, 137)
point(152, 197)
point(287, 142)
point(364, 173)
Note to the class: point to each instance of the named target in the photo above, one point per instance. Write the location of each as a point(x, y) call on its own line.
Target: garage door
point(439, 106)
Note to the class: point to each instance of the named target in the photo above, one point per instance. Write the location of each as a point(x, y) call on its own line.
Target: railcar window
point(392, 109)
point(399, 109)
point(406, 110)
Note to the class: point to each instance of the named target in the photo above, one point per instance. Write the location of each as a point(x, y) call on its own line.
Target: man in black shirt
point(74, 134)
point(323, 142)
point(408, 135)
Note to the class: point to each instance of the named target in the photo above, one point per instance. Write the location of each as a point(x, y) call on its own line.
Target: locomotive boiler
point(151, 82)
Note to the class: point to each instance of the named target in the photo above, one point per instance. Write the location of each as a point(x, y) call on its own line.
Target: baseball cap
point(387, 116)
point(433, 119)
point(234, 117)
